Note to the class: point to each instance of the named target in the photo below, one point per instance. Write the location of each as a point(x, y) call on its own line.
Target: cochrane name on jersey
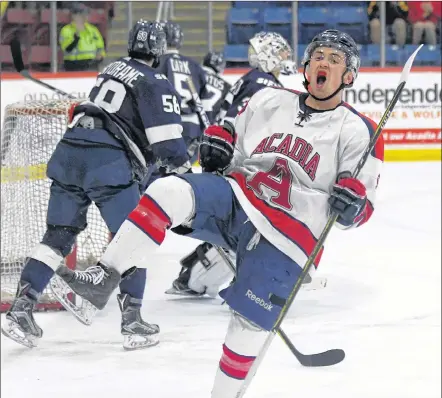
point(295, 148)
point(123, 72)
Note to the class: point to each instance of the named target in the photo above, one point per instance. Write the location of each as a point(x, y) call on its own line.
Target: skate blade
point(183, 293)
point(315, 284)
point(83, 310)
point(14, 332)
point(136, 342)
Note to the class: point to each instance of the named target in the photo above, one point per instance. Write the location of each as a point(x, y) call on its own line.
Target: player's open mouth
point(321, 78)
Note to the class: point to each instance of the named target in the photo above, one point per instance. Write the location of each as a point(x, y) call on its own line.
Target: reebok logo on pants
point(258, 300)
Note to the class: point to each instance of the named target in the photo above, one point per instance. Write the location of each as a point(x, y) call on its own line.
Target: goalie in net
point(129, 125)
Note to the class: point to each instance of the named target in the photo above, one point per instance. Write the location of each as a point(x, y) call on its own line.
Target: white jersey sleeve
point(243, 119)
point(355, 137)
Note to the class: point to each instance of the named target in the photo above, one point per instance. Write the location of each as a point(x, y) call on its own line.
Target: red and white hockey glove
point(216, 148)
point(348, 199)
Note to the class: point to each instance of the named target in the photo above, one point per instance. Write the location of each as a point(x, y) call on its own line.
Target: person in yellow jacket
point(3, 7)
point(81, 42)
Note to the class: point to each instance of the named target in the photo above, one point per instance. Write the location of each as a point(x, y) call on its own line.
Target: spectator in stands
point(81, 42)
point(3, 7)
point(425, 16)
point(396, 13)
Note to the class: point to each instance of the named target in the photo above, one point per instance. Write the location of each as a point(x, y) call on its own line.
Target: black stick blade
point(326, 358)
point(17, 55)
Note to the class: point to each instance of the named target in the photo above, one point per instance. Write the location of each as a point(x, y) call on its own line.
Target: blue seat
point(352, 20)
point(260, 4)
point(394, 55)
point(427, 56)
point(339, 4)
point(365, 59)
point(301, 50)
point(312, 20)
point(304, 4)
point(279, 20)
point(242, 24)
point(236, 53)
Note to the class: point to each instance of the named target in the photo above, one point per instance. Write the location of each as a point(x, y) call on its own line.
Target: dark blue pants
point(265, 275)
point(88, 165)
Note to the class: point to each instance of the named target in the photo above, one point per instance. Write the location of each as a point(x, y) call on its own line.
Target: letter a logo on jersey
point(278, 179)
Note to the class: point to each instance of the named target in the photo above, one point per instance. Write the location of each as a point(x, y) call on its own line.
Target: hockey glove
point(216, 148)
point(348, 199)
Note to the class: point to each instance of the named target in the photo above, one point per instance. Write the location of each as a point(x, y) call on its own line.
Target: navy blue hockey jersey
point(178, 68)
point(217, 89)
point(242, 90)
point(139, 106)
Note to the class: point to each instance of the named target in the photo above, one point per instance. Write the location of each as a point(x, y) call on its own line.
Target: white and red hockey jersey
point(287, 159)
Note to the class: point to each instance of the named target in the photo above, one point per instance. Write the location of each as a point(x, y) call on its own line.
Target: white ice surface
point(382, 305)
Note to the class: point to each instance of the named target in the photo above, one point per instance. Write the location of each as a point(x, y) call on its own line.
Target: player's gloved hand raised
point(216, 147)
point(348, 199)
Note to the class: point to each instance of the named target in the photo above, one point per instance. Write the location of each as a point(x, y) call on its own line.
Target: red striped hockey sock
point(243, 343)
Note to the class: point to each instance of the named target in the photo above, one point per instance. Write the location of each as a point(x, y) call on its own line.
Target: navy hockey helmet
point(174, 34)
point(146, 39)
point(338, 40)
point(215, 60)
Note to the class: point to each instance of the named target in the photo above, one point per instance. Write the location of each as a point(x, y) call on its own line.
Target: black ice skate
point(82, 309)
point(180, 286)
point(95, 284)
point(137, 333)
point(21, 326)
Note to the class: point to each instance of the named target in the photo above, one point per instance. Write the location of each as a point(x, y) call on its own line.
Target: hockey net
point(30, 132)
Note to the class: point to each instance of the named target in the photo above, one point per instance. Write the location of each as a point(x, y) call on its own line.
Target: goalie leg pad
point(209, 271)
point(242, 345)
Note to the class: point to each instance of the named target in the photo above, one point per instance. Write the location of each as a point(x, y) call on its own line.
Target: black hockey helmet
point(340, 41)
point(174, 34)
point(146, 40)
point(215, 60)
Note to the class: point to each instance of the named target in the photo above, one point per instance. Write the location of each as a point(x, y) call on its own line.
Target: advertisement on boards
point(415, 121)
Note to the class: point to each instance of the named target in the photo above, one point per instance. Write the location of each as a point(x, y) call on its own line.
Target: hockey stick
point(19, 65)
point(333, 217)
point(327, 358)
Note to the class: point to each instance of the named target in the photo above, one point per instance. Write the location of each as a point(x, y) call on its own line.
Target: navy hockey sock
point(37, 273)
point(134, 284)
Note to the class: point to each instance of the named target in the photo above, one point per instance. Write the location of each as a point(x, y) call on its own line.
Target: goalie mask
point(340, 41)
point(267, 51)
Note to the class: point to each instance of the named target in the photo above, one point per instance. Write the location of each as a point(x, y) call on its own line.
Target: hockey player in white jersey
point(205, 270)
point(285, 163)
